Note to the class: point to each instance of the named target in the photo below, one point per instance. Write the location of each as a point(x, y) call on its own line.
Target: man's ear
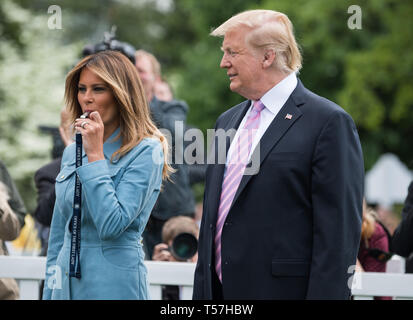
point(268, 59)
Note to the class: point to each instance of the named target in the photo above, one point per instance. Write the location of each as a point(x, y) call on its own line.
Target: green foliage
point(31, 86)
point(368, 72)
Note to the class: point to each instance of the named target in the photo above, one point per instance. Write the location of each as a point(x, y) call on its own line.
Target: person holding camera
point(179, 240)
point(179, 244)
point(95, 249)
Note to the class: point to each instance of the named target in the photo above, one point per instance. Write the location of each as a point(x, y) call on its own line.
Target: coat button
point(62, 176)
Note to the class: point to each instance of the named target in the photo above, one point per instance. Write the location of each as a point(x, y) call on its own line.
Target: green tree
point(33, 63)
point(365, 71)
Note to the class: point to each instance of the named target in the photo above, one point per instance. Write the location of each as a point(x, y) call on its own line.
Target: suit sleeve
point(114, 209)
point(337, 193)
point(402, 241)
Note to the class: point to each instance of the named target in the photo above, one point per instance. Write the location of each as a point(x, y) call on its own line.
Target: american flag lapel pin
point(288, 116)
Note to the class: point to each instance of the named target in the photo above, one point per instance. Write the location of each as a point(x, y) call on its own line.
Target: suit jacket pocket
point(285, 156)
point(290, 268)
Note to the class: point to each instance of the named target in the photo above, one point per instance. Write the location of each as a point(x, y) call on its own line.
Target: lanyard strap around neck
point(75, 222)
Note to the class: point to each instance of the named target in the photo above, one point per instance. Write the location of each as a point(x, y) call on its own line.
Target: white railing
point(30, 270)
point(367, 285)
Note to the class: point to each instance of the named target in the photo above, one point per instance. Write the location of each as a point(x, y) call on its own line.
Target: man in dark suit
point(282, 214)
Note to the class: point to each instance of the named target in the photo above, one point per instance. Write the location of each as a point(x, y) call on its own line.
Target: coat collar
point(112, 144)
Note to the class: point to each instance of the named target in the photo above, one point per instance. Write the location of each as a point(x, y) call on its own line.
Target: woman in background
point(374, 245)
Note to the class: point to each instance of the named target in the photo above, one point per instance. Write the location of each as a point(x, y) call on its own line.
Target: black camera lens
point(184, 246)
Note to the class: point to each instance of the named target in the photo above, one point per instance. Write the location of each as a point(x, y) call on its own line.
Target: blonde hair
point(270, 30)
point(177, 225)
point(369, 222)
point(156, 66)
point(121, 76)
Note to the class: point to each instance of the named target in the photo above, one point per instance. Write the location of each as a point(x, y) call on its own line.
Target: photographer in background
point(174, 249)
point(111, 43)
point(173, 228)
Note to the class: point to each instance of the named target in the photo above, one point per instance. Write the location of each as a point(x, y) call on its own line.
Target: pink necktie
point(233, 175)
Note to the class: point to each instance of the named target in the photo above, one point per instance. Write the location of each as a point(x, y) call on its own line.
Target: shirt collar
point(112, 144)
point(276, 97)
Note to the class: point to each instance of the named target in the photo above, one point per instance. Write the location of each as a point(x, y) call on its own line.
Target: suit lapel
point(285, 118)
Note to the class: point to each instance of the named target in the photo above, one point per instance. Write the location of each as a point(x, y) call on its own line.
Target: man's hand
point(161, 253)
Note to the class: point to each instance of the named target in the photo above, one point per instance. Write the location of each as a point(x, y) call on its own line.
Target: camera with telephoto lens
point(110, 43)
point(184, 246)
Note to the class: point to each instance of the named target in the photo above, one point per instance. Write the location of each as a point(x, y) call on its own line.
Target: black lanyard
point(75, 222)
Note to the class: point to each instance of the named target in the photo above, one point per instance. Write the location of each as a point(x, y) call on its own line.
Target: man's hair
point(269, 30)
point(177, 225)
point(156, 66)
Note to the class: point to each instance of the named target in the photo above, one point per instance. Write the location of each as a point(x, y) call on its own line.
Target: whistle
point(85, 115)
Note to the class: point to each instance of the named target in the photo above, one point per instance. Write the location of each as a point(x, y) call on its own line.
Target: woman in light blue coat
point(123, 164)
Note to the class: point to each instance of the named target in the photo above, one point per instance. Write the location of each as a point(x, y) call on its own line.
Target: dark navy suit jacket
point(293, 229)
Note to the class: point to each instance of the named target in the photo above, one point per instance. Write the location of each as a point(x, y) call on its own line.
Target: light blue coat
point(117, 199)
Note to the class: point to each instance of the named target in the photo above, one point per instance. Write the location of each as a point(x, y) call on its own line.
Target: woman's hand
point(92, 130)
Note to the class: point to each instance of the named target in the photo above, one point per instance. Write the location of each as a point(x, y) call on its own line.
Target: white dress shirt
point(274, 99)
